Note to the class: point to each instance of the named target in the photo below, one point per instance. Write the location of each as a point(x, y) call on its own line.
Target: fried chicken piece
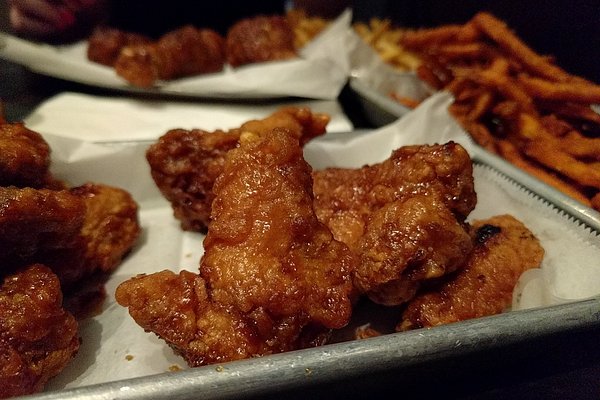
point(75, 232)
point(38, 224)
point(270, 273)
point(184, 164)
point(183, 52)
point(258, 39)
point(344, 198)
point(403, 217)
point(24, 157)
point(504, 249)
point(38, 338)
point(405, 243)
point(105, 44)
point(111, 226)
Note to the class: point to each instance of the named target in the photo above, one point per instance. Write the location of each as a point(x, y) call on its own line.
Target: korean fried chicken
point(185, 164)
point(110, 228)
point(24, 157)
point(105, 44)
point(405, 243)
point(38, 338)
point(258, 39)
point(76, 232)
point(183, 52)
point(270, 273)
point(503, 249)
point(404, 217)
point(38, 225)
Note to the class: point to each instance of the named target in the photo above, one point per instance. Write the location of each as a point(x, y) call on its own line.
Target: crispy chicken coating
point(105, 44)
point(403, 217)
point(183, 52)
point(258, 39)
point(504, 249)
point(405, 243)
point(75, 232)
point(38, 224)
point(185, 164)
point(111, 226)
point(24, 157)
point(270, 272)
point(38, 338)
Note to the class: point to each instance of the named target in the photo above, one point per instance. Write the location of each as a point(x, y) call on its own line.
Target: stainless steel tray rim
point(347, 359)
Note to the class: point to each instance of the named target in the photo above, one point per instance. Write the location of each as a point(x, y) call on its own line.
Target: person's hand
point(51, 19)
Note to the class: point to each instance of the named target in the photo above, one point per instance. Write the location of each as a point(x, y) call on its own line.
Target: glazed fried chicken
point(185, 164)
point(38, 338)
point(38, 225)
point(406, 242)
point(270, 272)
point(258, 39)
point(503, 249)
point(76, 232)
point(24, 157)
point(404, 217)
point(110, 228)
point(105, 44)
point(184, 52)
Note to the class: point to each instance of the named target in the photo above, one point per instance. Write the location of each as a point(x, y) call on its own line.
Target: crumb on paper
point(219, 368)
point(129, 357)
point(174, 368)
point(366, 331)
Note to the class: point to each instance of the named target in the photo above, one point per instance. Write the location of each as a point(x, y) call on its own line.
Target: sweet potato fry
point(577, 92)
point(481, 105)
point(580, 146)
point(575, 111)
point(548, 154)
point(596, 201)
point(509, 152)
point(499, 32)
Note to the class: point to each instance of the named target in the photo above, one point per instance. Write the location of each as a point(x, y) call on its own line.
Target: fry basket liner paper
point(319, 73)
point(108, 119)
point(115, 348)
point(367, 67)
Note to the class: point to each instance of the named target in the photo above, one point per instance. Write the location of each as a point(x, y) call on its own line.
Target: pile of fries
point(385, 39)
point(515, 102)
point(305, 27)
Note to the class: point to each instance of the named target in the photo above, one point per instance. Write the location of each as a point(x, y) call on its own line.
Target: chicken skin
point(105, 44)
point(406, 243)
point(504, 249)
point(38, 338)
point(404, 217)
point(185, 164)
point(76, 232)
point(24, 157)
point(183, 52)
point(38, 225)
point(258, 39)
point(271, 274)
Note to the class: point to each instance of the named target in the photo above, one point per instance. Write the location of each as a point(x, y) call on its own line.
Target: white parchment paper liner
point(109, 119)
point(370, 70)
point(320, 72)
point(570, 270)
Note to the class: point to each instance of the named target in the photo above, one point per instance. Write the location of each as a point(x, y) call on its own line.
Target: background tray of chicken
point(260, 297)
point(514, 103)
point(260, 57)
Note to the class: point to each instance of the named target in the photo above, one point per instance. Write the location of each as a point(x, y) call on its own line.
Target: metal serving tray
point(373, 93)
point(353, 360)
point(346, 364)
